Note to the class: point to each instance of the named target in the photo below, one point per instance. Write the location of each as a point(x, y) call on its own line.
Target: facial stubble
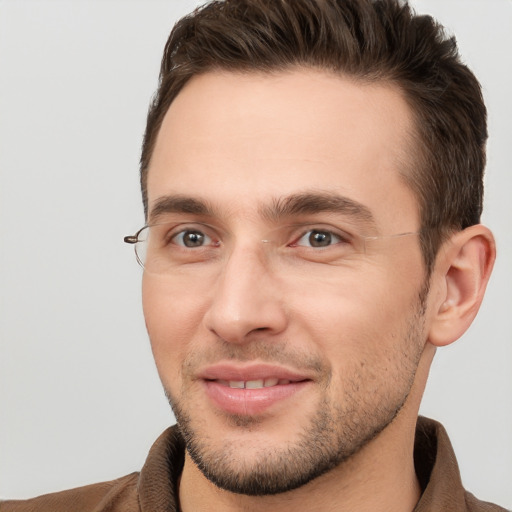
point(335, 433)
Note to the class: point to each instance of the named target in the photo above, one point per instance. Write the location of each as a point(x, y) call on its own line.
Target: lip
point(226, 371)
point(250, 402)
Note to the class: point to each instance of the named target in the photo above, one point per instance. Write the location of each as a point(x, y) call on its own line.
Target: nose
point(246, 299)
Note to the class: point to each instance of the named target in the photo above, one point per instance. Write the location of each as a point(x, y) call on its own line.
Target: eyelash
point(183, 232)
point(332, 235)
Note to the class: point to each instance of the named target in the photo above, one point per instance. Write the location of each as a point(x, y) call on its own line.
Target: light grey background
point(80, 400)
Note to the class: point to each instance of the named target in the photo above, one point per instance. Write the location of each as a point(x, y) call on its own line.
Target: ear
point(463, 267)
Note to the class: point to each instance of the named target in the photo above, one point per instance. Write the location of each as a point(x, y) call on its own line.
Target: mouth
point(253, 384)
point(251, 390)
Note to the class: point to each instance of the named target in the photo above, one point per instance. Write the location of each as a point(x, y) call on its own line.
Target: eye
point(191, 238)
point(319, 238)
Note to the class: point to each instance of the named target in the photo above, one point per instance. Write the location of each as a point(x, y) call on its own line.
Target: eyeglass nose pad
point(271, 253)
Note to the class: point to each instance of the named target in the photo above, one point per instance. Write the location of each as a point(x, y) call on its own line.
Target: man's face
point(284, 344)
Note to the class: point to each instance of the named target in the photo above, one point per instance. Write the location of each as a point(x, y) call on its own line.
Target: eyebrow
point(306, 203)
point(318, 202)
point(180, 204)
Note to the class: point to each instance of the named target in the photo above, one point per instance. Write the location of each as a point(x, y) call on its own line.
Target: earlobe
point(463, 268)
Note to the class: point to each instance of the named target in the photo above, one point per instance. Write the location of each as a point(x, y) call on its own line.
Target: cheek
point(359, 316)
point(172, 321)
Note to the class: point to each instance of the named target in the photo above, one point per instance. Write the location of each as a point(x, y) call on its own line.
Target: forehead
point(238, 140)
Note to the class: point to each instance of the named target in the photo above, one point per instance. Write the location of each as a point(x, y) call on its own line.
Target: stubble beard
point(336, 432)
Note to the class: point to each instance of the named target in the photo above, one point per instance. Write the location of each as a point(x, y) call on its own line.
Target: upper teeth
point(254, 384)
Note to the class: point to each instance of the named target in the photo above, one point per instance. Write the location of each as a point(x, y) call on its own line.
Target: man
point(312, 182)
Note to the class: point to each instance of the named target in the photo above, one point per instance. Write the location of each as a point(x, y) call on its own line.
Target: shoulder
point(438, 473)
point(115, 495)
point(475, 505)
point(153, 488)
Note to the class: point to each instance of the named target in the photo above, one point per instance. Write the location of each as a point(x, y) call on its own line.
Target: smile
point(253, 384)
point(251, 390)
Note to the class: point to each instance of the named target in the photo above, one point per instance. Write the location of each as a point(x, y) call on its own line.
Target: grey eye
point(192, 238)
point(318, 238)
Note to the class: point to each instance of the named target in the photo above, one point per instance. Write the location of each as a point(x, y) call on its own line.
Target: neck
point(373, 480)
point(380, 477)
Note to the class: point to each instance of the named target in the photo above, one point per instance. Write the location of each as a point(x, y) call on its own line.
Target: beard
point(373, 392)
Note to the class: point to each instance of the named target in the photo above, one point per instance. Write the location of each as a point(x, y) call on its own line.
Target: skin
point(362, 331)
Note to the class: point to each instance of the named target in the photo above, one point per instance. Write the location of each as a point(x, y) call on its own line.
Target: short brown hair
point(370, 40)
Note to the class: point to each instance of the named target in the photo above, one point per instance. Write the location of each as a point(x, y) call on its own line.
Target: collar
point(434, 459)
